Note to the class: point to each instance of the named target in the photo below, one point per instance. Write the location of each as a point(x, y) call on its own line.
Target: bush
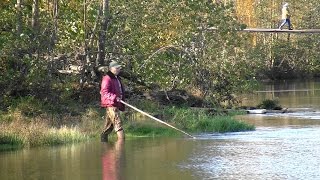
point(270, 104)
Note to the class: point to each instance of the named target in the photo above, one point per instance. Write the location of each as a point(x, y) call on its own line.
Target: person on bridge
point(112, 92)
point(286, 17)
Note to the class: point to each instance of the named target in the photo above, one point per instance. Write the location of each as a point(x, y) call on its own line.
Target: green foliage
point(169, 44)
point(146, 105)
point(28, 106)
point(270, 104)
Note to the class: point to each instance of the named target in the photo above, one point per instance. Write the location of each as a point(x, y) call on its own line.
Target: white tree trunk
point(19, 17)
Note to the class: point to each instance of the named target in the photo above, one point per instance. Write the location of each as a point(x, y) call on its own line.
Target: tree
point(19, 17)
point(102, 32)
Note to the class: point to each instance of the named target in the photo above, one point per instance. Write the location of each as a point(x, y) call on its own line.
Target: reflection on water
point(113, 160)
point(139, 159)
point(157, 159)
point(62, 162)
point(289, 93)
point(282, 119)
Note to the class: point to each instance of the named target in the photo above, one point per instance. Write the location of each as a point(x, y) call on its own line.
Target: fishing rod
point(154, 118)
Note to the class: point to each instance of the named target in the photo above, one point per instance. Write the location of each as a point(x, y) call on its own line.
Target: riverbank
point(30, 122)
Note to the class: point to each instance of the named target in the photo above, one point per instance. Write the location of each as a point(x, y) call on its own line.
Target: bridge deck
point(264, 30)
point(310, 31)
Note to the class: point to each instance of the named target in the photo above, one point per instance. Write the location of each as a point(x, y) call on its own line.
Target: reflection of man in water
point(111, 161)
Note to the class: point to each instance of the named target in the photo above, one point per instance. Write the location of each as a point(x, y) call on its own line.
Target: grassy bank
point(22, 134)
point(190, 120)
point(30, 122)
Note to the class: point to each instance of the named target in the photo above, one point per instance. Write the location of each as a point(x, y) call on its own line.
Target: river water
point(284, 146)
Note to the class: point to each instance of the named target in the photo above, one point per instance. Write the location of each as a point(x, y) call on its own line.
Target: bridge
point(265, 30)
point(299, 31)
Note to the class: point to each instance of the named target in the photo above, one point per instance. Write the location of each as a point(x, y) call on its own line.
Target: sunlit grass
point(64, 135)
point(20, 134)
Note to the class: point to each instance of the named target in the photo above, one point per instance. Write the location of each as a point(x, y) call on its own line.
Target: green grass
point(149, 130)
point(221, 124)
point(9, 141)
point(200, 121)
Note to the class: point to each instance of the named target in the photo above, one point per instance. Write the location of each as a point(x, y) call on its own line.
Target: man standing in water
point(285, 16)
point(112, 92)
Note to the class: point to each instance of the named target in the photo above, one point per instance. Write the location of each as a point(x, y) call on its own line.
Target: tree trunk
point(19, 17)
point(55, 21)
point(35, 16)
point(102, 33)
point(84, 63)
point(35, 27)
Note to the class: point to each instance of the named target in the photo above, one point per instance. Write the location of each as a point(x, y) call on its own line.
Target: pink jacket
point(110, 90)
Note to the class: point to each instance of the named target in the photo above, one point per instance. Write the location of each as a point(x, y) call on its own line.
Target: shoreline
point(19, 130)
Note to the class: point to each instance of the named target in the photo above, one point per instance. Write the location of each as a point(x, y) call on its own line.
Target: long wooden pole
point(155, 118)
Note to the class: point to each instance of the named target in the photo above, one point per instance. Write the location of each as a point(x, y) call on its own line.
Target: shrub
point(270, 104)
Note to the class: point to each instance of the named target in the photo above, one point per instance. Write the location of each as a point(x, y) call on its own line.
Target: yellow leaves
point(166, 37)
point(166, 32)
point(245, 12)
point(127, 27)
point(4, 2)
